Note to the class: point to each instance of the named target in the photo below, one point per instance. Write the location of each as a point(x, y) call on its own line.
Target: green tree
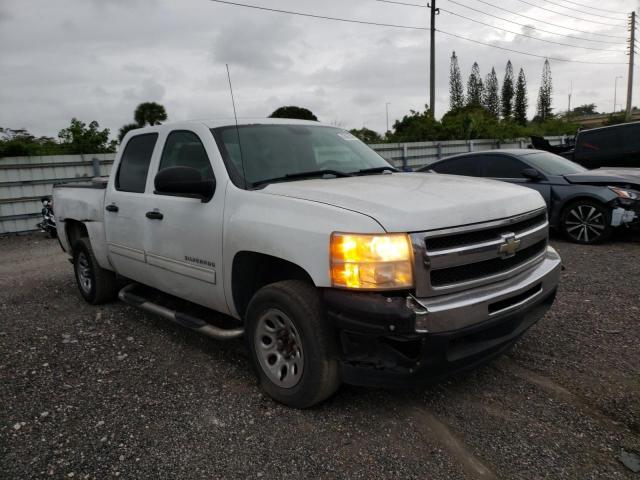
point(415, 127)
point(366, 135)
point(80, 138)
point(586, 109)
point(544, 94)
point(20, 143)
point(126, 129)
point(474, 87)
point(507, 92)
point(521, 102)
point(490, 96)
point(456, 90)
point(149, 113)
point(293, 112)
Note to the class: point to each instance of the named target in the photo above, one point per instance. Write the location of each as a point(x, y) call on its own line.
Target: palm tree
point(149, 113)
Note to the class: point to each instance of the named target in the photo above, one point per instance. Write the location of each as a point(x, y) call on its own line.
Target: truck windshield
point(553, 164)
point(293, 152)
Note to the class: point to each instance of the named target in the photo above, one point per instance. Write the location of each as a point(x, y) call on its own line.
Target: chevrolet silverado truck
point(330, 263)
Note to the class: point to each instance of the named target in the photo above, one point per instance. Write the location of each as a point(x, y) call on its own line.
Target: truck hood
point(412, 202)
point(607, 176)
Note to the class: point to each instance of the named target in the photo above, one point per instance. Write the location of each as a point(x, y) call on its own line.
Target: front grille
point(485, 268)
point(479, 236)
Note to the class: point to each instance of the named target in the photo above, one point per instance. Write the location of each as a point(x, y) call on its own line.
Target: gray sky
point(98, 59)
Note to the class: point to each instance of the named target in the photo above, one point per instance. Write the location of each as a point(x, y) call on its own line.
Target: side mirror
point(532, 174)
point(184, 182)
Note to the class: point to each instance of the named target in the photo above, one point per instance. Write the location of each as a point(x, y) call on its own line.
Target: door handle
point(154, 215)
point(111, 208)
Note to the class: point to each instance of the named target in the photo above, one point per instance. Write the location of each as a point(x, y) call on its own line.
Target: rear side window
point(134, 164)
point(184, 149)
point(501, 166)
point(600, 142)
point(459, 166)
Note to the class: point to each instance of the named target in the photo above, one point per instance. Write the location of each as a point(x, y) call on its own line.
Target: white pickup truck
point(333, 266)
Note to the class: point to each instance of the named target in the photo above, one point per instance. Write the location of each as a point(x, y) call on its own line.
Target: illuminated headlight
point(626, 193)
point(371, 262)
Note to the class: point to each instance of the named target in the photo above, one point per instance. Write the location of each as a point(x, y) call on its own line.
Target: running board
point(182, 319)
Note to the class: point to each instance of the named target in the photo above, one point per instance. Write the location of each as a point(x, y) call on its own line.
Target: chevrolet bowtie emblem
point(510, 245)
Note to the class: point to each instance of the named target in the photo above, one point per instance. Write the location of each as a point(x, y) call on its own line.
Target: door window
point(134, 164)
point(467, 165)
point(184, 149)
point(502, 166)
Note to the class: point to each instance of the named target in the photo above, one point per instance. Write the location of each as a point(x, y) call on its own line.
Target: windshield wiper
point(364, 171)
point(310, 174)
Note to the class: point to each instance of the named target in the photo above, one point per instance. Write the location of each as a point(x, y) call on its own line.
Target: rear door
point(125, 203)
point(184, 235)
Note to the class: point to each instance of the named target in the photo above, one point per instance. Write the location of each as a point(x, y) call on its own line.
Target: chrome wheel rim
point(279, 348)
point(84, 273)
point(585, 223)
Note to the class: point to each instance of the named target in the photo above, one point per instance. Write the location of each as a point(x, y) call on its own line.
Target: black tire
point(299, 303)
point(53, 233)
point(586, 221)
point(96, 284)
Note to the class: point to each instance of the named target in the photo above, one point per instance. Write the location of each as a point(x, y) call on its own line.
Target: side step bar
point(182, 319)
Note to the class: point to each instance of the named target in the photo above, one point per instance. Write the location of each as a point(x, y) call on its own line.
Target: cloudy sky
point(98, 59)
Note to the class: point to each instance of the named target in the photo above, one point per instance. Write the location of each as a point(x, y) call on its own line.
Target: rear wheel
point(291, 344)
point(586, 221)
point(96, 284)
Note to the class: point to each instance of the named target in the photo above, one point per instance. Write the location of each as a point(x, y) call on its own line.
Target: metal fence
point(24, 180)
point(414, 155)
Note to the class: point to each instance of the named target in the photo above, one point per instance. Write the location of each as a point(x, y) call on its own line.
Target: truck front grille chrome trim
point(453, 259)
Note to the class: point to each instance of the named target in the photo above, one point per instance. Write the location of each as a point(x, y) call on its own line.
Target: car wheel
point(291, 345)
point(586, 221)
point(96, 284)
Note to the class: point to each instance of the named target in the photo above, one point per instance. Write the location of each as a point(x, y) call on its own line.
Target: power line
point(322, 17)
point(532, 26)
point(548, 23)
point(361, 22)
point(592, 8)
point(527, 53)
point(528, 36)
point(576, 18)
point(587, 13)
point(503, 29)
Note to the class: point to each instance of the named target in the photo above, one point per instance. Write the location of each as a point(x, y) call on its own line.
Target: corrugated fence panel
point(24, 180)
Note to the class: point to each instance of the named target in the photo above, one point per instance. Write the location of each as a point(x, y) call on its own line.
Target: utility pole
point(632, 51)
point(615, 93)
point(570, 93)
point(432, 66)
point(387, 107)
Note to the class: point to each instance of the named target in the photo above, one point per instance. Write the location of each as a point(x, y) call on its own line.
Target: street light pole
point(615, 93)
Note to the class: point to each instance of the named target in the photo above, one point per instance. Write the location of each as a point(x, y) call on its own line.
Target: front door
point(184, 235)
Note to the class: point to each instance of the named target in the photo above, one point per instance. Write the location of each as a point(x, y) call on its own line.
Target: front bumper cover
point(402, 341)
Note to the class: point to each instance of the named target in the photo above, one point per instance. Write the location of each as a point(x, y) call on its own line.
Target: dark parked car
point(614, 146)
point(586, 205)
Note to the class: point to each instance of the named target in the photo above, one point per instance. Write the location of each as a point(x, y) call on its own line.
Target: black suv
point(614, 146)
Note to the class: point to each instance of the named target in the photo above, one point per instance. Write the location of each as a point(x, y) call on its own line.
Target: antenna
point(244, 175)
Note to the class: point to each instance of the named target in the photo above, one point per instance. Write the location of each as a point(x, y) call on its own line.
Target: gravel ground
point(110, 391)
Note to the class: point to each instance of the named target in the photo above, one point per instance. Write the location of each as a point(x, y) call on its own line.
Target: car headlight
point(371, 262)
point(626, 193)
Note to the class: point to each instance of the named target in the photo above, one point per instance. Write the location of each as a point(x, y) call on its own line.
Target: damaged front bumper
point(404, 341)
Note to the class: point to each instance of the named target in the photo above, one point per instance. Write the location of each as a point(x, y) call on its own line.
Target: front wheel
point(291, 344)
point(586, 221)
